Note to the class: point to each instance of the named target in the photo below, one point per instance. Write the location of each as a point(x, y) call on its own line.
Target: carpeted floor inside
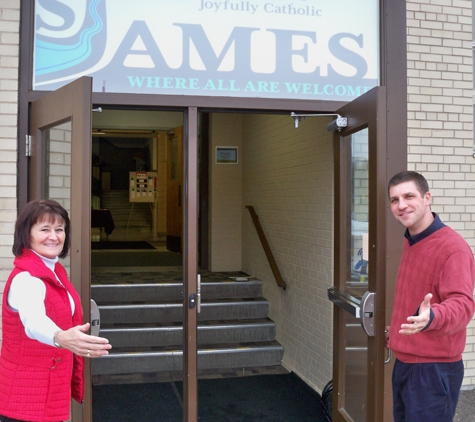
point(114, 245)
point(267, 398)
point(135, 258)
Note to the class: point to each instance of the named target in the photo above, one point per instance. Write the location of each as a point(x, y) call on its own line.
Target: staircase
point(136, 215)
point(142, 317)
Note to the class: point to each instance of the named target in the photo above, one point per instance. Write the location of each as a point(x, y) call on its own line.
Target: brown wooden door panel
point(60, 128)
point(360, 219)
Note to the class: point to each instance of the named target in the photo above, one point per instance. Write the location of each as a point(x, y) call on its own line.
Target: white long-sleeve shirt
point(27, 297)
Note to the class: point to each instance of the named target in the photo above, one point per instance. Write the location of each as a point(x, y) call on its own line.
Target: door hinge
point(28, 145)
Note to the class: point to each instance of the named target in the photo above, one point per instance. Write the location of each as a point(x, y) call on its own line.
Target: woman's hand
point(82, 344)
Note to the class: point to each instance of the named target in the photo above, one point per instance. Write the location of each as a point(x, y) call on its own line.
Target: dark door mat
point(266, 398)
point(140, 244)
point(136, 403)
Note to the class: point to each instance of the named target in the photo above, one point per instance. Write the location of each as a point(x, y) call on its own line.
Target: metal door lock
point(367, 313)
point(192, 301)
point(95, 319)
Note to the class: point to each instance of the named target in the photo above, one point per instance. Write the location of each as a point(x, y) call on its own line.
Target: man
point(433, 305)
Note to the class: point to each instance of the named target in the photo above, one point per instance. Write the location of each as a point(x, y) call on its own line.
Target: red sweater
point(441, 264)
point(37, 381)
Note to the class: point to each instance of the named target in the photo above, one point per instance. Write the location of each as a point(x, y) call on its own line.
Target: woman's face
point(47, 238)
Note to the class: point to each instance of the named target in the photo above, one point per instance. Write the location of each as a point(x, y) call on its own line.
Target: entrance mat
point(263, 398)
point(136, 403)
point(121, 245)
point(134, 258)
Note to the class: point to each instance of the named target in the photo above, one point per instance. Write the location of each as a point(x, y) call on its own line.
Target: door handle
point(198, 294)
point(367, 313)
point(363, 308)
point(390, 355)
point(95, 319)
point(345, 301)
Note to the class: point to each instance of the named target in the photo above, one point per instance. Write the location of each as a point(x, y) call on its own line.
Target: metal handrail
point(267, 249)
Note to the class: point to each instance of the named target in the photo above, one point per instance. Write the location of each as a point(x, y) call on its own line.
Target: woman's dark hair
point(34, 212)
point(410, 176)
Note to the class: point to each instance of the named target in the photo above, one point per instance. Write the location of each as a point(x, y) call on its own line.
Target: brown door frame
point(190, 267)
point(72, 102)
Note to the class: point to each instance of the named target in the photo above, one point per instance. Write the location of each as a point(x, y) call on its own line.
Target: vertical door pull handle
point(198, 291)
point(390, 355)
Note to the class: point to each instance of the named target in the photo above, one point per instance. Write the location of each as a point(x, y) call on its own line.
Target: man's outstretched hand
point(417, 323)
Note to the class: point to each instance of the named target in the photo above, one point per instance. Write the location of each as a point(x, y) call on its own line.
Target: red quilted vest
point(37, 381)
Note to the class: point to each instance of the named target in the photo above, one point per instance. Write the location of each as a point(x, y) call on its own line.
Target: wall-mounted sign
point(226, 155)
point(304, 49)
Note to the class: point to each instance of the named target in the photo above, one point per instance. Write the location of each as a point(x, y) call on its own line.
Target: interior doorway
point(227, 161)
point(134, 154)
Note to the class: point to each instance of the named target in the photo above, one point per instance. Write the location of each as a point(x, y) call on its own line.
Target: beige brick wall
point(288, 178)
point(59, 169)
point(440, 117)
point(9, 62)
point(225, 204)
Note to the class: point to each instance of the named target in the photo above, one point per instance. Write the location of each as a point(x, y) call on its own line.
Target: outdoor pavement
point(466, 407)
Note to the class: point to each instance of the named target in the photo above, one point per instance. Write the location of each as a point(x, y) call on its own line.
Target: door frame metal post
point(190, 266)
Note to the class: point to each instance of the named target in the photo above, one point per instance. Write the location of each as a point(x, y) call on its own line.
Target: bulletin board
point(142, 186)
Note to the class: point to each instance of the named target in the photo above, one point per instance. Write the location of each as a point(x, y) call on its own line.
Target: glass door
point(358, 291)
point(60, 168)
point(60, 129)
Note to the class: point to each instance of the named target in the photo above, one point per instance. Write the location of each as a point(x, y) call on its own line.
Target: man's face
point(410, 208)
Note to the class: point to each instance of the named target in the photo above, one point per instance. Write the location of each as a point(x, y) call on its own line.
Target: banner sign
point(300, 49)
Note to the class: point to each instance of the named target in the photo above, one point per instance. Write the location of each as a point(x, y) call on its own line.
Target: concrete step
point(131, 361)
point(142, 316)
point(123, 213)
point(147, 336)
point(164, 291)
point(173, 311)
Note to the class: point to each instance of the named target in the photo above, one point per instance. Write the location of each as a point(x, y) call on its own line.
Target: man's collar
point(434, 226)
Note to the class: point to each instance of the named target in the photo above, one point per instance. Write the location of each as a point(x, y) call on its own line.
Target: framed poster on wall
point(226, 155)
point(142, 186)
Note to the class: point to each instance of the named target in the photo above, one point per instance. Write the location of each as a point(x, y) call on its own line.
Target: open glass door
point(60, 169)
point(359, 284)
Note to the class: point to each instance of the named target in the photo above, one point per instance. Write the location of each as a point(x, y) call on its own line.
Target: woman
point(44, 338)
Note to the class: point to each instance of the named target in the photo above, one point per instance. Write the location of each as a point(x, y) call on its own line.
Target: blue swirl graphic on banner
point(53, 57)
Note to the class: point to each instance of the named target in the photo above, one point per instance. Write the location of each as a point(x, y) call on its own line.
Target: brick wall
point(440, 117)
point(288, 178)
point(9, 55)
point(225, 204)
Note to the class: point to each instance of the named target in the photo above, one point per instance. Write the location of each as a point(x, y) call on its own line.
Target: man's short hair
point(410, 176)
